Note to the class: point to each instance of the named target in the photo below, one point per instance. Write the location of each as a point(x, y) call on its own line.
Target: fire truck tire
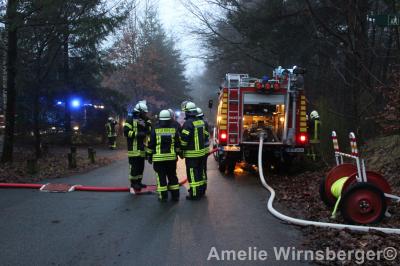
point(363, 203)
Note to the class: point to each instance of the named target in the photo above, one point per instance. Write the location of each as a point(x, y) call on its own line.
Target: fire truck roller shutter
point(258, 98)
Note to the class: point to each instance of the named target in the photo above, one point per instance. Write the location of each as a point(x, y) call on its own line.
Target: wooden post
point(73, 149)
point(32, 166)
point(72, 160)
point(92, 155)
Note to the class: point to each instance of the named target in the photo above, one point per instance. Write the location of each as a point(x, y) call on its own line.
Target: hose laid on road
point(84, 188)
point(19, 185)
point(303, 222)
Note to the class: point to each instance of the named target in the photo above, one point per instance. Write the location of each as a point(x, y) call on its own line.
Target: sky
point(177, 22)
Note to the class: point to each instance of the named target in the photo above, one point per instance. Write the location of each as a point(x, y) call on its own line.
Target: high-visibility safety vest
point(193, 138)
point(164, 142)
point(135, 131)
point(315, 131)
point(111, 129)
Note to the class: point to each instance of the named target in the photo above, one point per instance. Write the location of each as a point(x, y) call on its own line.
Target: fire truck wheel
point(363, 203)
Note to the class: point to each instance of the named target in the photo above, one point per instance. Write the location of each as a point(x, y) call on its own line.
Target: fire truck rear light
point(223, 136)
point(276, 86)
point(267, 86)
point(302, 138)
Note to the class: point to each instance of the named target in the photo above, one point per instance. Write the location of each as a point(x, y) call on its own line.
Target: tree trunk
point(36, 126)
point(67, 114)
point(11, 16)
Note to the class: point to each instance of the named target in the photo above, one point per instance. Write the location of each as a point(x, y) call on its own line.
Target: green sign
point(387, 20)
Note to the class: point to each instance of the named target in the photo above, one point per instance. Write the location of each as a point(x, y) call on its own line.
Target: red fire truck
point(248, 106)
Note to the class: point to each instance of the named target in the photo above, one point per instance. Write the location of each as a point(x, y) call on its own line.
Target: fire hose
point(303, 222)
point(84, 188)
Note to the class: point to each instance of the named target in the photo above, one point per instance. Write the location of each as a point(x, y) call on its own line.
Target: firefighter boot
point(141, 184)
point(190, 196)
point(135, 185)
point(175, 193)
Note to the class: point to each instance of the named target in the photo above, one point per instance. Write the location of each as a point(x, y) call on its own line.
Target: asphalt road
point(90, 228)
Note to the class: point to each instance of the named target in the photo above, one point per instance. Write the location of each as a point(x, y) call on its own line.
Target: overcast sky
point(177, 22)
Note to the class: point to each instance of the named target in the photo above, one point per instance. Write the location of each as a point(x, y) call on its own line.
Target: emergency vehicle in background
point(248, 106)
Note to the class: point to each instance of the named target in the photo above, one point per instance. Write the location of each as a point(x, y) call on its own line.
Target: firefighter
point(192, 145)
point(136, 129)
point(111, 130)
point(163, 148)
point(206, 149)
point(314, 126)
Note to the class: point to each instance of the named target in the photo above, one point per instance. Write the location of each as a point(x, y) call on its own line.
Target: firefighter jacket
point(164, 142)
point(193, 138)
point(111, 129)
point(136, 130)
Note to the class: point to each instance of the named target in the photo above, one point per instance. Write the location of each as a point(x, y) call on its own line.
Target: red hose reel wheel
point(337, 172)
point(363, 203)
point(374, 178)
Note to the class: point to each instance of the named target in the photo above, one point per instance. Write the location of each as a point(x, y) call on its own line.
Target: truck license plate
point(294, 149)
point(231, 148)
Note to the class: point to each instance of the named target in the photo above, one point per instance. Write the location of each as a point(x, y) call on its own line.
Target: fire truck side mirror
point(210, 104)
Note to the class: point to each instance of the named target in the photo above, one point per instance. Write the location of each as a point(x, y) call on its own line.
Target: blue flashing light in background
point(178, 113)
point(59, 102)
point(75, 103)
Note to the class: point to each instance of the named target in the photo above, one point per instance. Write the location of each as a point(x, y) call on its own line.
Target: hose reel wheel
point(363, 203)
point(335, 174)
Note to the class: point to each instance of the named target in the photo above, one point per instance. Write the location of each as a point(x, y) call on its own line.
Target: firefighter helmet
point(140, 107)
point(314, 115)
point(165, 115)
point(189, 107)
point(199, 112)
point(110, 119)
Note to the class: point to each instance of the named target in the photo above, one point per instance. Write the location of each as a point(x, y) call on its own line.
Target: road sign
point(387, 20)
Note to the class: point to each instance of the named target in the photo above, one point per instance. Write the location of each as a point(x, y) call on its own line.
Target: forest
point(59, 55)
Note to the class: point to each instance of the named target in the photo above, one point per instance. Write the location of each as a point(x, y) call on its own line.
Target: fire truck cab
point(248, 106)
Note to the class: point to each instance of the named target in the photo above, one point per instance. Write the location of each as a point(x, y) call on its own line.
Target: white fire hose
point(302, 222)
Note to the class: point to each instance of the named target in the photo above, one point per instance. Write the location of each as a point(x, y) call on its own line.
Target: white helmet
point(189, 107)
point(141, 106)
point(183, 104)
point(314, 115)
point(199, 112)
point(165, 115)
point(110, 119)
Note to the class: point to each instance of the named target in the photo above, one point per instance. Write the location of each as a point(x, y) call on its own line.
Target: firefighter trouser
point(194, 171)
point(204, 175)
point(112, 142)
point(166, 179)
point(136, 167)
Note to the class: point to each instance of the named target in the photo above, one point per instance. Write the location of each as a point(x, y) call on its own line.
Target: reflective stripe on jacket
point(193, 138)
point(164, 142)
point(135, 131)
